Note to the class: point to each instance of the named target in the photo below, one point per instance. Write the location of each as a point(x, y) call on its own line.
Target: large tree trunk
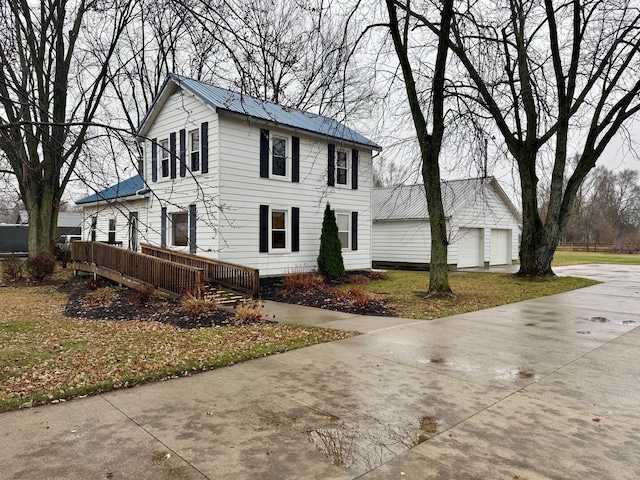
point(43, 220)
point(536, 253)
point(430, 144)
point(539, 241)
point(438, 268)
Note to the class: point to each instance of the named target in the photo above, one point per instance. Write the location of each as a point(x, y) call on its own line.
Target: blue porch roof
point(126, 188)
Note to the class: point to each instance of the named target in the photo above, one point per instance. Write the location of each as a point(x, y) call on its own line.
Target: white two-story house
point(246, 181)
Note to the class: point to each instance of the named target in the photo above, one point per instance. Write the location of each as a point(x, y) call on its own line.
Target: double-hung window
point(194, 148)
point(278, 156)
point(94, 228)
point(342, 220)
point(112, 231)
point(278, 229)
point(164, 156)
point(342, 167)
point(180, 228)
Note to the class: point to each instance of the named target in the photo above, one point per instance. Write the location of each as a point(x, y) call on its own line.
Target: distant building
point(13, 237)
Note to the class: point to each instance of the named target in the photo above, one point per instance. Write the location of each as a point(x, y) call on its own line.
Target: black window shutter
point(295, 159)
point(183, 152)
point(192, 228)
point(172, 154)
point(264, 153)
point(295, 229)
point(264, 228)
point(354, 230)
point(163, 227)
point(331, 168)
point(204, 148)
point(154, 160)
point(354, 169)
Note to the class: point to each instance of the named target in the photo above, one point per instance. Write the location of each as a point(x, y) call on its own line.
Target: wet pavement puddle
point(599, 319)
point(360, 448)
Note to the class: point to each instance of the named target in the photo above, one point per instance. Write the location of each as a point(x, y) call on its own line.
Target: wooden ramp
point(137, 270)
point(168, 272)
point(229, 275)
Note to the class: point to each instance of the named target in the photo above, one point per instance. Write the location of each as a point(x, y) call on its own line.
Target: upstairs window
point(342, 167)
point(164, 156)
point(278, 157)
point(194, 148)
point(180, 227)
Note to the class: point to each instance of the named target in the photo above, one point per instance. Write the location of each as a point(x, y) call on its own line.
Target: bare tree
point(427, 112)
point(607, 209)
point(390, 174)
point(54, 57)
point(551, 75)
point(290, 53)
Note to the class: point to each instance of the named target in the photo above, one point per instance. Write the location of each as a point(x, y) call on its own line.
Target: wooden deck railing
point(164, 275)
point(236, 277)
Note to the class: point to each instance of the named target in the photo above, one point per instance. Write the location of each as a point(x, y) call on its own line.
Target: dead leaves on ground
point(46, 356)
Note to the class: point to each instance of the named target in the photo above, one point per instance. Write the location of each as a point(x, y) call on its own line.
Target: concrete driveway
point(547, 388)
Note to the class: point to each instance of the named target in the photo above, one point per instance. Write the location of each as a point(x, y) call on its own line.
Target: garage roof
point(409, 202)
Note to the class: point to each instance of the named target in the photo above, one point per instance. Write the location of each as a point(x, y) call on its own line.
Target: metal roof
point(409, 202)
point(126, 188)
point(225, 100)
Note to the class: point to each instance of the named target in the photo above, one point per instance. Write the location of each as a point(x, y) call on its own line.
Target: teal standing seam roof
point(126, 188)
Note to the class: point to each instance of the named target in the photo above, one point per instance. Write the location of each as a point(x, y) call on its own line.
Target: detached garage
point(482, 225)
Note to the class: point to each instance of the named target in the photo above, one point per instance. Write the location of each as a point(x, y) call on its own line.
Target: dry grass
point(302, 281)
point(45, 356)
point(405, 292)
point(576, 258)
point(358, 297)
point(102, 296)
point(195, 307)
point(248, 312)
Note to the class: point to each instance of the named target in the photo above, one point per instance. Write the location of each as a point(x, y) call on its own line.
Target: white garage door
point(500, 247)
point(470, 248)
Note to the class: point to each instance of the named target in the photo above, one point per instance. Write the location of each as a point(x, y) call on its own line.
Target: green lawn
point(45, 356)
point(576, 258)
point(405, 291)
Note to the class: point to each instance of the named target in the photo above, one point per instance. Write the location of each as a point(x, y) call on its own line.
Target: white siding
point(481, 212)
point(243, 191)
point(402, 241)
point(183, 111)
point(119, 211)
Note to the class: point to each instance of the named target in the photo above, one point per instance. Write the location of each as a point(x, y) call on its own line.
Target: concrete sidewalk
point(547, 388)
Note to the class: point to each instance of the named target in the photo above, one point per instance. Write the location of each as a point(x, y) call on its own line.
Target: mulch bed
point(272, 288)
point(126, 306)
